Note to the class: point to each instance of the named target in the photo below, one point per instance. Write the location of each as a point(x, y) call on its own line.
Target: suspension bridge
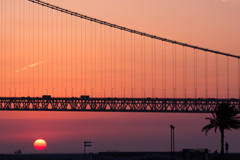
point(54, 59)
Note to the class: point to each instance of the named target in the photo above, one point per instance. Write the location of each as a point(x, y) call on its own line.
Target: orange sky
point(74, 57)
point(212, 24)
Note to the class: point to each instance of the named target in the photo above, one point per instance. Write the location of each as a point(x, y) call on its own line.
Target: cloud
point(35, 64)
point(30, 66)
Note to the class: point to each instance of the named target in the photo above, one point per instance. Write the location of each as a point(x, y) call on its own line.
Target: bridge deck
point(113, 104)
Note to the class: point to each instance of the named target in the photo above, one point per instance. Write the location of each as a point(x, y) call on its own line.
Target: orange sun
point(40, 144)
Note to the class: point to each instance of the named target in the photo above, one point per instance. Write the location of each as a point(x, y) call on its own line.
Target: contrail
point(30, 66)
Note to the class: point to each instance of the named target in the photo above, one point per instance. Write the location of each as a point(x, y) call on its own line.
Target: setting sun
point(40, 144)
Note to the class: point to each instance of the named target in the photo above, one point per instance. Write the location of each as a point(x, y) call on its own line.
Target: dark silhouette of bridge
point(114, 104)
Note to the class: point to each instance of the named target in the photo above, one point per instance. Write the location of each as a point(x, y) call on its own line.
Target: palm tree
point(224, 118)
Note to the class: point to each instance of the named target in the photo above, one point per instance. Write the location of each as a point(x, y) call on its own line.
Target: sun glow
point(40, 144)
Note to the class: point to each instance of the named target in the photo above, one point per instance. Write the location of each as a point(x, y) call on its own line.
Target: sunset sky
point(58, 67)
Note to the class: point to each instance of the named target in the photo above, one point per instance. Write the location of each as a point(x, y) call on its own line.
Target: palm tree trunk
point(222, 144)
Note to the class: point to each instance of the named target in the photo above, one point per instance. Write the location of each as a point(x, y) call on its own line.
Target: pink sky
point(212, 24)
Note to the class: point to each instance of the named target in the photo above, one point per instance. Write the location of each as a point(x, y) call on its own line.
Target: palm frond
point(224, 117)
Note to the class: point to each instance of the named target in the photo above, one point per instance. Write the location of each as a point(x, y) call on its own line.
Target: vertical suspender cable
point(62, 52)
point(23, 39)
point(1, 30)
point(29, 49)
point(38, 48)
point(131, 67)
point(195, 72)
point(186, 70)
point(20, 44)
point(206, 74)
point(81, 59)
point(95, 59)
point(66, 53)
point(42, 46)
point(144, 66)
point(174, 70)
point(124, 60)
point(162, 71)
point(52, 54)
point(101, 38)
point(238, 78)
point(85, 56)
point(14, 57)
point(1, 45)
point(33, 50)
point(175, 85)
point(217, 76)
point(184, 90)
point(141, 69)
point(76, 52)
point(71, 59)
point(14, 47)
point(57, 52)
point(165, 69)
point(10, 43)
point(173, 67)
point(5, 48)
point(121, 62)
point(105, 50)
point(228, 77)
point(134, 63)
point(155, 70)
point(152, 67)
point(114, 62)
point(47, 51)
point(91, 54)
point(111, 58)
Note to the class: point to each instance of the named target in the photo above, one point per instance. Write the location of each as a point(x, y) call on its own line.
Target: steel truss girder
point(114, 104)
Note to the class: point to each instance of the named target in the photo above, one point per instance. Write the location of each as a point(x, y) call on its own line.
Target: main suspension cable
point(124, 28)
